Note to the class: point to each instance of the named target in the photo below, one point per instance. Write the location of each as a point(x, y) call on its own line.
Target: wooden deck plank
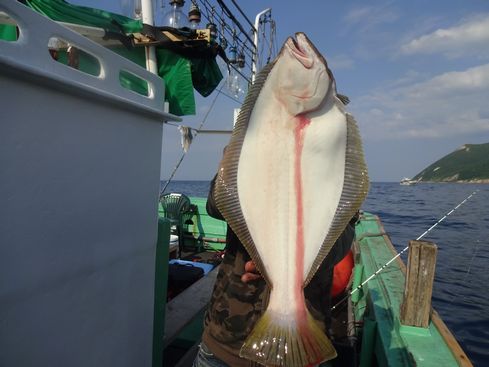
point(416, 305)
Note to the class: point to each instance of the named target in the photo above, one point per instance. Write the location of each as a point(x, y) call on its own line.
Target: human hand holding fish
point(251, 272)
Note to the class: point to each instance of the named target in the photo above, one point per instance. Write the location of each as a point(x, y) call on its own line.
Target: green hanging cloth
point(176, 71)
point(61, 11)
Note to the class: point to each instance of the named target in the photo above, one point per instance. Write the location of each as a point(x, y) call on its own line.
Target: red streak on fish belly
point(301, 314)
point(299, 133)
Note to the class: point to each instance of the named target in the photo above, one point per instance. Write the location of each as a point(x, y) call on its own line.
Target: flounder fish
point(291, 178)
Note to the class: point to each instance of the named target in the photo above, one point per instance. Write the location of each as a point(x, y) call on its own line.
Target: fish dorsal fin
point(355, 189)
point(251, 97)
point(344, 99)
point(226, 189)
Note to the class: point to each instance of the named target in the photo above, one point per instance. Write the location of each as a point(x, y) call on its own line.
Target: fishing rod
point(353, 291)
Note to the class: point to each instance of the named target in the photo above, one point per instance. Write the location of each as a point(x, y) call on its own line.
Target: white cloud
point(470, 36)
point(472, 80)
point(409, 78)
point(342, 61)
point(447, 105)
point(367, 17)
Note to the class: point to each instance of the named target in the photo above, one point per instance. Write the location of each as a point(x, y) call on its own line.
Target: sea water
point(460, 292)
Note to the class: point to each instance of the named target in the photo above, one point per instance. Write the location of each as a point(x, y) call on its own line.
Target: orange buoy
point(341, 274)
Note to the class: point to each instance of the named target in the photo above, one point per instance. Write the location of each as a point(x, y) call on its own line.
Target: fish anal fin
point(278, 342)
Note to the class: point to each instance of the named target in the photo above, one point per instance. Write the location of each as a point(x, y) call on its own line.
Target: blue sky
point(417, 74)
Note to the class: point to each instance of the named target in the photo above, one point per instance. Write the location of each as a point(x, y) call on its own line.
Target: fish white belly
point(289, 188)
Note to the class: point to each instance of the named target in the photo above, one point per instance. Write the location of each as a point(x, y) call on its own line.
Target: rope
point(400, 253)
point(196, 133)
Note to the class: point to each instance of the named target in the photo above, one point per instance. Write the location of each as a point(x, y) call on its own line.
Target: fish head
point(302, 79)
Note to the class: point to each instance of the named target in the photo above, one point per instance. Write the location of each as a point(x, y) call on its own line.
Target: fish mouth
point(299, 52)
point(300, 49)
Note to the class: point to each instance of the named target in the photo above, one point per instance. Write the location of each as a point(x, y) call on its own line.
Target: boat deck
point(365, 329)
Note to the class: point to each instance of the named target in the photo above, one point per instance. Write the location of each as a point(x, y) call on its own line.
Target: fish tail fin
point(276, 342)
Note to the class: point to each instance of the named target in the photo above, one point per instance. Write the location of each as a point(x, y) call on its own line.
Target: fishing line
point(353, 291)
point(464, 280)
point(471, 261)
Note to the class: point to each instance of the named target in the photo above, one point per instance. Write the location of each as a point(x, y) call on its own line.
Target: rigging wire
point(353, 291)
point(233, 19)
point(244, 15)
point(227, 24)
point(210, 15)
point(232, 98)
point(242, 40)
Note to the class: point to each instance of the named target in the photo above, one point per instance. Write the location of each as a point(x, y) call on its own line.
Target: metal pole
point(148, 18)
point(255, 43)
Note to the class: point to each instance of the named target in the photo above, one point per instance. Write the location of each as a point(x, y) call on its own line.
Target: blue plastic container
point(206, 267)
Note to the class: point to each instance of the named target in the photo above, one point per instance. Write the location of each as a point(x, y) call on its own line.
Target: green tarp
point(181, 74)
point(62, 11)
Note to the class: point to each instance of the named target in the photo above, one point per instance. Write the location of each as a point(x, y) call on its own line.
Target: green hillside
point(468, 163)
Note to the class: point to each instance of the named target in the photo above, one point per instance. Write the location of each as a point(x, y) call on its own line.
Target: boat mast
point(147, 17)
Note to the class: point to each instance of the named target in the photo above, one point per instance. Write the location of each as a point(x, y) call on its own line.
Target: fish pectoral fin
point(275, 342)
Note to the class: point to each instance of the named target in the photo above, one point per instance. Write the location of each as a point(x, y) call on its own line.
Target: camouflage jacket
point(236, 306)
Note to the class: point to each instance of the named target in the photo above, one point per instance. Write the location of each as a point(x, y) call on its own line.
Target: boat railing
point(29, 55)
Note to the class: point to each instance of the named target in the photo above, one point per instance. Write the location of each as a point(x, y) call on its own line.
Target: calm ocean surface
point(460, 293)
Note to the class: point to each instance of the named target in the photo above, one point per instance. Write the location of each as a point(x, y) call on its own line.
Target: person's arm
point(342, 245)
point(211, 204)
